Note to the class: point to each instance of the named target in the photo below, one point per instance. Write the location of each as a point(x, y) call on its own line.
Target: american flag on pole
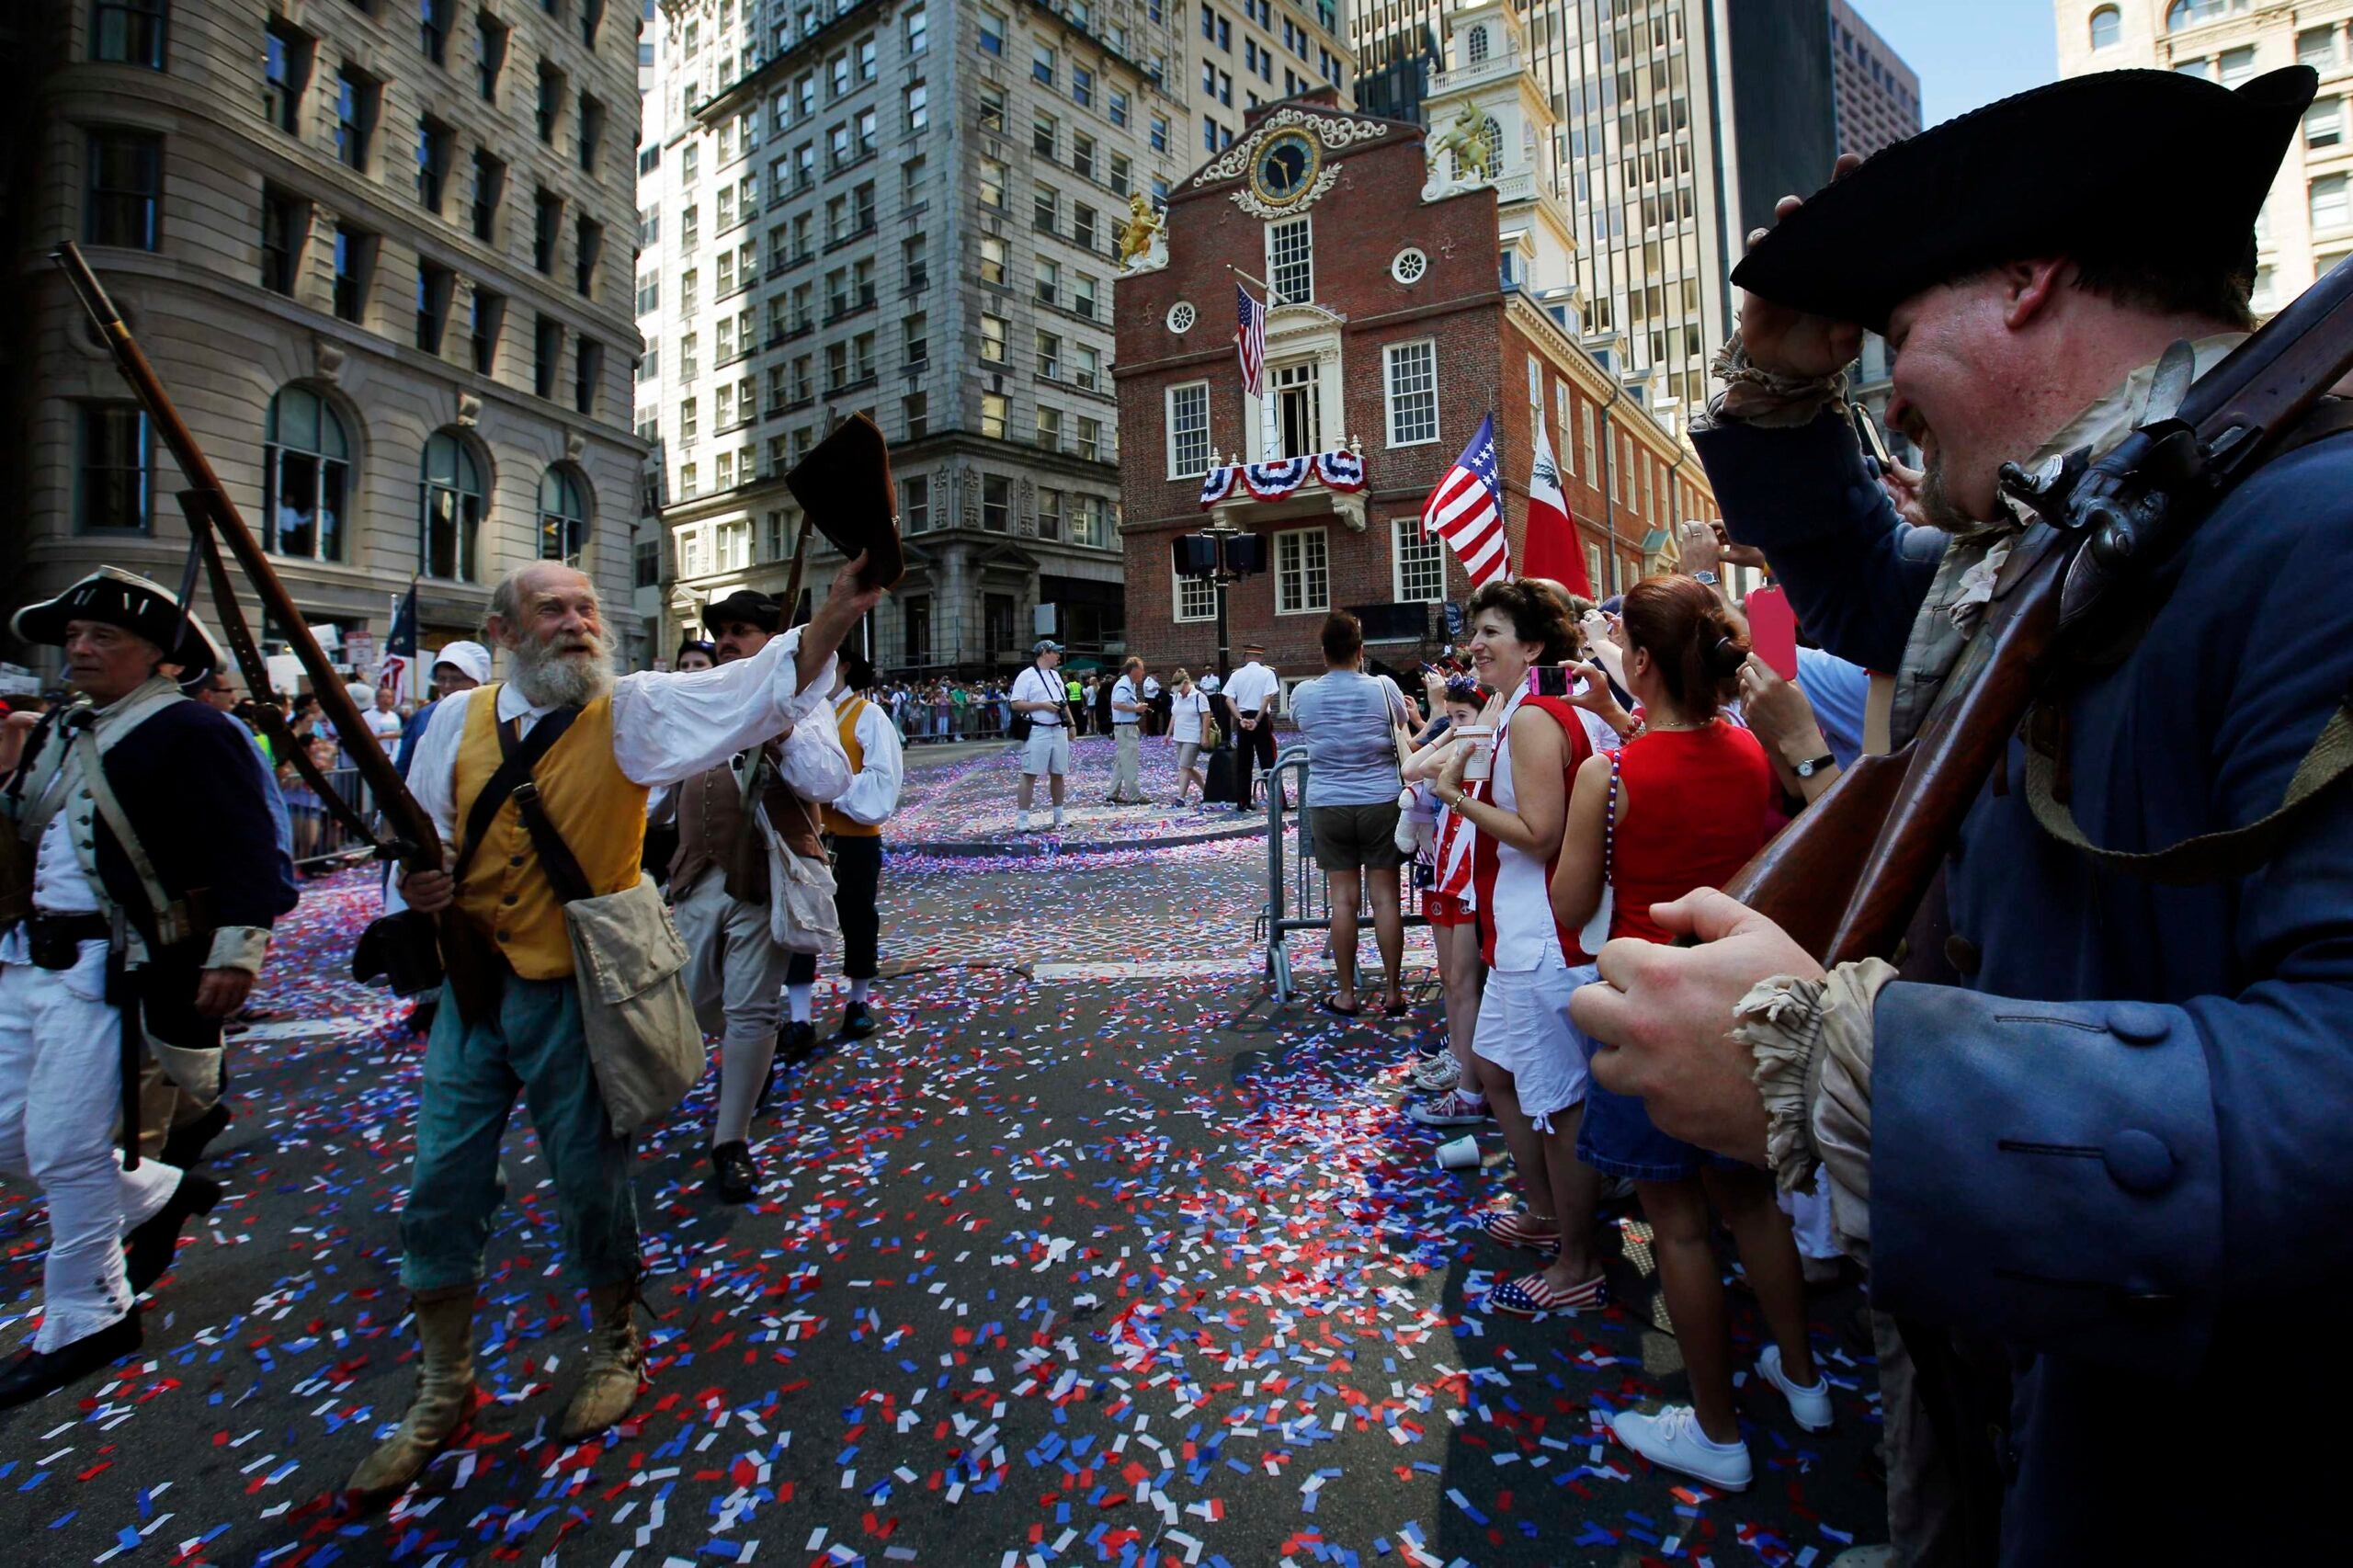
point(1250, 335)
point(1466, 510)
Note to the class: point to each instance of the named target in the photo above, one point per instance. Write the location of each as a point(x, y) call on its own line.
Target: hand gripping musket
point(415, 841)
point(1846, 879)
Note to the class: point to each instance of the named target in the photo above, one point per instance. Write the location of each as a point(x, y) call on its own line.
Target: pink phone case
point(1773, 630)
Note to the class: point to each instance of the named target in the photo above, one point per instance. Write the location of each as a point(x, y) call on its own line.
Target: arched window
point(2107, 26)
point(2190, 13)
point(1475, 48)
point(450, 528)
point(1492, 134)
point(306, 473)
point(564, 516)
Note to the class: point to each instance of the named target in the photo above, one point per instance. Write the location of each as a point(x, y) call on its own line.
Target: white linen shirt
point(669, 725)
point(1249, 687)
point(873, 792)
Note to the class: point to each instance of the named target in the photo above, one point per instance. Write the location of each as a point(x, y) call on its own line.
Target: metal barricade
point(1296, 895)
point(320, 840)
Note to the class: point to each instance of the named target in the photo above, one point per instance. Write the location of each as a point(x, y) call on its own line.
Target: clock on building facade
point(1286, 168)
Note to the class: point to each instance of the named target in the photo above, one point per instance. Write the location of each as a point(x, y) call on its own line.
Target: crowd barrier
point(1296, 896)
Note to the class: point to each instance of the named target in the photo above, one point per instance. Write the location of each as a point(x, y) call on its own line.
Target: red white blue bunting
point(1273, 481)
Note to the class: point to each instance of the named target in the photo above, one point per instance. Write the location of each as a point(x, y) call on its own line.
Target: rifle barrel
point(420, 840)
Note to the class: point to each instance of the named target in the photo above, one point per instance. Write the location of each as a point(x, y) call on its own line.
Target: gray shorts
point(1348, 837)
point(1186, 752)
point(1046, 751)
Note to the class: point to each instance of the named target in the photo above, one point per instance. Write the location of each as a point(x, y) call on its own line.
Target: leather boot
point(444, 1394)
point(616, 1368)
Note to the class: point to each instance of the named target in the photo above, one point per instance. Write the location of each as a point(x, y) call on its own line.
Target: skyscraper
point(1876, 96)
point(379, 257)
point(1679, 122)
point(912, 210)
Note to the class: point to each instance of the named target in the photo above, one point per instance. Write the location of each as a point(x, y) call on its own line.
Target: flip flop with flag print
point(1534, 1295)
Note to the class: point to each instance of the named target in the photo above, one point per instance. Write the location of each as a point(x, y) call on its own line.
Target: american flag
point(1466, 510)
point(1250, 335)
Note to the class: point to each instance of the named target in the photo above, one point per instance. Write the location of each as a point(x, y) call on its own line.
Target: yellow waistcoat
point(595, 805)
point(837, 825)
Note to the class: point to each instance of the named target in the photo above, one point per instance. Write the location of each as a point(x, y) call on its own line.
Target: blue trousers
point(532, 1045)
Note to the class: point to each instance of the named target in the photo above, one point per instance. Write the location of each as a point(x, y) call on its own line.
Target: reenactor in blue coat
point(2113, 1142)
point(137, 886)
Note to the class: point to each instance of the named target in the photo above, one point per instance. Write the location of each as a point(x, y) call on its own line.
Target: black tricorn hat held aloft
point(2112, 166)
point(845, 487)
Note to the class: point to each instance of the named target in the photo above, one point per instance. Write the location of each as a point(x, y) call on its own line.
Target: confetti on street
point(1130, 1270)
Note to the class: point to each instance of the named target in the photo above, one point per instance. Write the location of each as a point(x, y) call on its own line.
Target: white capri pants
point(735, 969)
point(1523, 1029)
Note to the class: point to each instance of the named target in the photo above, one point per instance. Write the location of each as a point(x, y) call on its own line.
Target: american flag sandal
point(1533, 1295)
point(1517, 1228)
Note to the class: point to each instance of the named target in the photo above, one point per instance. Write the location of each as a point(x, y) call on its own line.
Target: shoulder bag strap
point(94, 777)
point(556, 859)
point(517, 758)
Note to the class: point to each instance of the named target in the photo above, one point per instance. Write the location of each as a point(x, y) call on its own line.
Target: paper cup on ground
point(1458, 1154)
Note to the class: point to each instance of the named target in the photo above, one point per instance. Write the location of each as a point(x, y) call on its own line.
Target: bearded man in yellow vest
point(854, 827)
point(519, 1030)
point(720, 887)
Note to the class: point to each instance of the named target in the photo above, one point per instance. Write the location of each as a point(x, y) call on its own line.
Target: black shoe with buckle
point(149, 1247)
point(36, 1372)
point(858, 1021)
point(733, 1174)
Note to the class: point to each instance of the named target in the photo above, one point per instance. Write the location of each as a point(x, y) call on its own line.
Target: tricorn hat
point(745, 605)
point(2115, 165)
point(844, 485)
point(134, 603)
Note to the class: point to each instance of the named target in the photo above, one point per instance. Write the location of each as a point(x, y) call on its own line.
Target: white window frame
point(1389, 402)
point(1182, 585)
point(1405, 537)
point(1304, 261)
point(1176, 467)
point(1296, 540)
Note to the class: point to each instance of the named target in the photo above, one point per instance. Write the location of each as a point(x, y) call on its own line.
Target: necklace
point(1661, 725)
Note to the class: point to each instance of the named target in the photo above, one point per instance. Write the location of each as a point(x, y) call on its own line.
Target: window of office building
point(449, 529)
point(306, 475)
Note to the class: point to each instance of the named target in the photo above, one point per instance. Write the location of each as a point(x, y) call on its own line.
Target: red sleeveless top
point(1692, 809)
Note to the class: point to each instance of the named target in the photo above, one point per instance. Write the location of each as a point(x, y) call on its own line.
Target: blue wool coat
point(2126, 1148)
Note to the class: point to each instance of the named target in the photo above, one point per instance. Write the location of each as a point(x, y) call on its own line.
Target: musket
point(415, 840)
point(1846, 879)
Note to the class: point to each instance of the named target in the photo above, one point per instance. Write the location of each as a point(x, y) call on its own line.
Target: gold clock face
point(1285, 166)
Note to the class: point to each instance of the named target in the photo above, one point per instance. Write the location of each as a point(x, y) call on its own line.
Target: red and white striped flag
point(1250, 338)
point(1466, 510)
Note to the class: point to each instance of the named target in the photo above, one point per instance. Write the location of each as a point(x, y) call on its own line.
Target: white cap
point(470, 658)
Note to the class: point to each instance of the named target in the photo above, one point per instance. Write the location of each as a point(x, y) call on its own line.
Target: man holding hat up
point(719, 885)
point(2112, 1137)
point(141, 819)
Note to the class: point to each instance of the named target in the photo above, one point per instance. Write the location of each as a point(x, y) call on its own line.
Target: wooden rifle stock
point(419, 844)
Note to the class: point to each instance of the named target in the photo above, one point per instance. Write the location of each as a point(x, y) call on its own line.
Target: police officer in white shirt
point(1255, 694)
point(1038, 696)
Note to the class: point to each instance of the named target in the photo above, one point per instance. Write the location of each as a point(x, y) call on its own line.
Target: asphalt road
point(1123, 1268)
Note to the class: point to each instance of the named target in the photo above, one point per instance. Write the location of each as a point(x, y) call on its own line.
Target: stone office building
point(379, 255)
point(912, 210)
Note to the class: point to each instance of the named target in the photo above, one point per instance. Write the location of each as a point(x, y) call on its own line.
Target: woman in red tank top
point(1684, 804)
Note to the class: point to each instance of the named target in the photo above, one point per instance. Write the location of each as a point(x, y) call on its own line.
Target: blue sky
point(1969, 53)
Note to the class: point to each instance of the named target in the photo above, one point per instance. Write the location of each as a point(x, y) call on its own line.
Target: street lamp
point(1221, 555)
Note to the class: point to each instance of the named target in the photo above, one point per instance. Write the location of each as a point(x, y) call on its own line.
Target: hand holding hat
point(1784, 340)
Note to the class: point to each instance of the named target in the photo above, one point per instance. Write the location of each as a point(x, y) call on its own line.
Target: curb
point(1042, 847)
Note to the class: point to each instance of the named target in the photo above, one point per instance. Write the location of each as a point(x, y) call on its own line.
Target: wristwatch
point(1707, 578)
point(1813, 765)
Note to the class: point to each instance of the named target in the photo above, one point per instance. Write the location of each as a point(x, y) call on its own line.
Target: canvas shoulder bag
point(630, 965)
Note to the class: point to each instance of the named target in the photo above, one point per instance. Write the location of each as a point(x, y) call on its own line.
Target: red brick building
point(1401, 321)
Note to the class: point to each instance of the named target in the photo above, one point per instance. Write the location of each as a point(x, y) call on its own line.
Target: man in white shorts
point(1038, 696)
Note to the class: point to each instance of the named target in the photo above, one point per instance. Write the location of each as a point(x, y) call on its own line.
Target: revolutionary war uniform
point(723, 896)
point(2112, 1140)
point(153, 857)
point(854, 828)
point(523, 1031)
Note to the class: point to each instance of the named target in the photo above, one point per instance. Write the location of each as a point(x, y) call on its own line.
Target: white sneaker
point(1436, 1075)
point(1672, 1440)
point(1811, 1406)
point(1450, 1110)
point(1021, 821)
point(1058, 821)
